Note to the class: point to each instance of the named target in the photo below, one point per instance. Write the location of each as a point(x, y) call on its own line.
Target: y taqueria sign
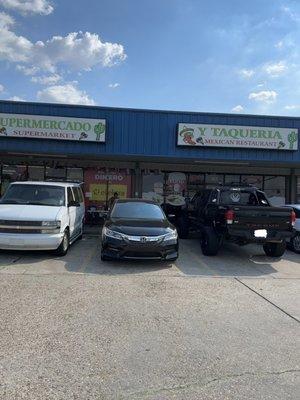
point(58, 128)
point(196, 135)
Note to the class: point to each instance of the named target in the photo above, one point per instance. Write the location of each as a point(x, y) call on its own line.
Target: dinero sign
point(57, 128)
point(196, 135)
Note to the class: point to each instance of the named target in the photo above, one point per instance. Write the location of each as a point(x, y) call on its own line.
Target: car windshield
point(243, 198)
point(41, 195)
point(137, 210)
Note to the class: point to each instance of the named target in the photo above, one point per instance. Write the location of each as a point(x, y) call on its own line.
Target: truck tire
point(295, 243)
point(182, 226)
point(210, 242)
point(275, 249)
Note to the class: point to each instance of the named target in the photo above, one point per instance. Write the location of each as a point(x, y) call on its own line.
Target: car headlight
point(171, 236)
point(113, 234)
point(51, 224)
point(51, 227)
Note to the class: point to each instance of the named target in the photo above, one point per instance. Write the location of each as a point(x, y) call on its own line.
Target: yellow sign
point(98, 191)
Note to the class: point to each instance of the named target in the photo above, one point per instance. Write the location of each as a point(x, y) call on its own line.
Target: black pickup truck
point(238, 214)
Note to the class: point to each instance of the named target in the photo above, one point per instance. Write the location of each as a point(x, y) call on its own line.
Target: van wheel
point(275, 249)
point(64, 246)
point(295, 242)
point(182, 226)
point(210, 242)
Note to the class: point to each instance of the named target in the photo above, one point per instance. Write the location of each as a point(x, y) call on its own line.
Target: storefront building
point(161, 155)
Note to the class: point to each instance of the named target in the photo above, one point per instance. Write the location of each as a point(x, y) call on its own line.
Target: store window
point(153, 187)
point(253, 180)
point(211, 180)
point(175, 188)
point(12, 173)
point(58, 173)
point(232, 179)
point(36, 173)
point(195, 184)
point(75, 174)
point(274, 187)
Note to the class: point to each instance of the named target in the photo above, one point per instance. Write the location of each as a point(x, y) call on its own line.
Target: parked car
point(138, 229)
point(294, 241)
point(41, 216)
point(238, 214)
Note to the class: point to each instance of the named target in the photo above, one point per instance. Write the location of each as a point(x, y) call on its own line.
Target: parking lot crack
point(269, 301)
point(202, 384)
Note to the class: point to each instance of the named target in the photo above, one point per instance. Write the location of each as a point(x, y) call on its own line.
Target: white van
point(41, 216)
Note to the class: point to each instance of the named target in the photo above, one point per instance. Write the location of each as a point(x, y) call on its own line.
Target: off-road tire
point(295, 243)
point(210, 242)
point(275, 249)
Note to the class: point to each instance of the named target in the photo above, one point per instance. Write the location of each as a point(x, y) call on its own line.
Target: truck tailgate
point(261, 217)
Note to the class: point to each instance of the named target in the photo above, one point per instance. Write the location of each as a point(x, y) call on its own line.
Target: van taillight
point(293, 218)
point(229, 216)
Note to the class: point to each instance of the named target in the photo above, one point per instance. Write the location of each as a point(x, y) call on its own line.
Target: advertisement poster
point(101, 184)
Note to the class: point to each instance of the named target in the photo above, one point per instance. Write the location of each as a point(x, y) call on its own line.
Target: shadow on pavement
point(84, 257)
point(232, 260)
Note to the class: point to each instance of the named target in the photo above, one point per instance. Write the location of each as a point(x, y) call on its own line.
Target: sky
point(231, 56)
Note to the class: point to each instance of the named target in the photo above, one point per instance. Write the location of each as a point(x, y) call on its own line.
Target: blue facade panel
point(135, 133)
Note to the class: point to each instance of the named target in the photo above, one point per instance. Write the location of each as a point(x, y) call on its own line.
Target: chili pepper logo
point(83, 136)
point(188, 135)
point(280, 145)
point(3, 131)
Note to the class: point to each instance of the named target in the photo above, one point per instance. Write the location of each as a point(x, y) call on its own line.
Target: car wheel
point(274, 249)
point(210, 242)
point(295, 242)
point(182, 226)
point(64, 246)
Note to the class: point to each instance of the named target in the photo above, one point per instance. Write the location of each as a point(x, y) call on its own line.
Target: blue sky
point(218, 56)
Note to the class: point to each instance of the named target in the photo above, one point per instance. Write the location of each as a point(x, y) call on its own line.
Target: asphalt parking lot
point(225, 327)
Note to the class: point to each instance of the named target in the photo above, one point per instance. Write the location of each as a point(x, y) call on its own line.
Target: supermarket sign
point(57, 128)
point(196, 135)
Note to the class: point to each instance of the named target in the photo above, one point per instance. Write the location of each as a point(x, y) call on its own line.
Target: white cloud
point(275, 69)
point(113, 85)
point(291, 14)
point(237, 109)
point(279, 44)
point(76, 50)
point(67, 93)
point(27, 70)
point(80, 51)
point(293, 107)
point(25, 7)
point(12, 47)
point(264, 96)
point(246, 73)
point(1, 88)
point(16, 98)
point(46, 80)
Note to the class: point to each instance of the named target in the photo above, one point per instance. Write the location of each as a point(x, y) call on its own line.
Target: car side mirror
point(73, 203)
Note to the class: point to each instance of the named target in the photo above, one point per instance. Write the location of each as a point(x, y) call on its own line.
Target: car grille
point(11, 230)
point(11, 226)
point(19, 223)
point(133, 254)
